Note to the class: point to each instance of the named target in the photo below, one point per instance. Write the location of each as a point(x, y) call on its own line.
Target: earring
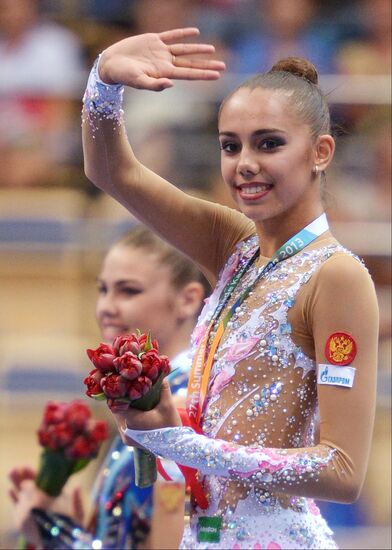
point(315, 169)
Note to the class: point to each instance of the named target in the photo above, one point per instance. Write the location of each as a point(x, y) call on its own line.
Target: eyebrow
point(255, 133)
point(119, 283)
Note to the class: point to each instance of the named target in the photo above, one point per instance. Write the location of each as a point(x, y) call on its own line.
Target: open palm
point(151, 61)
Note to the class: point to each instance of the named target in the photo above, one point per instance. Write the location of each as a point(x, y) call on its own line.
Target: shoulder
point(231, 229)
point(232, 217)
point(342, 288)
point(343, 269)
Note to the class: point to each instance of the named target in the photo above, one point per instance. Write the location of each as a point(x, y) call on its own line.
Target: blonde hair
point(182, 270)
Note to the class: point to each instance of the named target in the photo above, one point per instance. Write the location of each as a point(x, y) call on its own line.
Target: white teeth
point(254, 189)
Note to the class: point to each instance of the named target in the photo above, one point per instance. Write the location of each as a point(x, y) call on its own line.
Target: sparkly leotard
point(259, 457)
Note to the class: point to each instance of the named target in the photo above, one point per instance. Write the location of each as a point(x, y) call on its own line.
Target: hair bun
point(298, 66)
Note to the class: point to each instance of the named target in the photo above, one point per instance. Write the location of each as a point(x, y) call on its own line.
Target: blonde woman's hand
point(152, 61)
point(16, 476)
point(26, 495)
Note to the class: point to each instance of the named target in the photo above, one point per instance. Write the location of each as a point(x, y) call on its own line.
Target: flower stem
point(145, 468)
point(53, 472)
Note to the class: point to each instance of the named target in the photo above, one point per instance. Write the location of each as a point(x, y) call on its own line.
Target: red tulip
point(93, 383)
point(139, 387)
point(114, 385)
point(128, 365)
point(102, 357)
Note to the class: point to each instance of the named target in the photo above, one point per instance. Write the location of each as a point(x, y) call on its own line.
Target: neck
point(180, 341)
point(273, 233)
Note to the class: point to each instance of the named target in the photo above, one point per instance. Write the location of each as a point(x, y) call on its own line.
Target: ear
point(189, 300)
point(324, 151)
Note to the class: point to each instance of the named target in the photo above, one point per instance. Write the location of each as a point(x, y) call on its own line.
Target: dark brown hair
point(182, 270)
point(299, 77)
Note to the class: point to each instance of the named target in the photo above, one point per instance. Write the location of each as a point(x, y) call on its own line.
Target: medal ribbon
point(201, 368)
point(190, 474)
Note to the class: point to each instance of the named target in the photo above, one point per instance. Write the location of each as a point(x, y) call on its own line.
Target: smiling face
point(267, 157)
point(135, 291)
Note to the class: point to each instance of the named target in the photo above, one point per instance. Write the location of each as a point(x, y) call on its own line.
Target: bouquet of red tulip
point(129, 373)
point(70, 438)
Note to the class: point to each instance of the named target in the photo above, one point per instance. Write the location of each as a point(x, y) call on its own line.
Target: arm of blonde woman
point(168, 509)
point(335, 468)
point(168, 504)
point(26, 496)
point(153, 62)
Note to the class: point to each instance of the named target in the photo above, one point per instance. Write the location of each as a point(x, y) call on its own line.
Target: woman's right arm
point(151, 62)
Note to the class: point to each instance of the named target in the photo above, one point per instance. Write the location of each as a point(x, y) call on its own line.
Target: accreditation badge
point(209, 528)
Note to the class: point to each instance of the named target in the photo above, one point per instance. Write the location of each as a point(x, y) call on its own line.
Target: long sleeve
point(332, 468)
point(191, 224)
point(217, 457)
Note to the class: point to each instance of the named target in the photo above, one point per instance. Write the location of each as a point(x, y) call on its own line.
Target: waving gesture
point(152, 61)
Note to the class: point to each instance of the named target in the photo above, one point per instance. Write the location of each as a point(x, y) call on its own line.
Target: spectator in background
point(150, 16)
point(372, 53)
point(42, 73)
point(37, 57)
point(362, 184)
point(167, 126)
point(361, 187)
point(367, 53)
point(287, 28)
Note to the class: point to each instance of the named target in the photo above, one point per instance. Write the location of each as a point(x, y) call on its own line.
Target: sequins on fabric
point(102, 101)
point(261, 406)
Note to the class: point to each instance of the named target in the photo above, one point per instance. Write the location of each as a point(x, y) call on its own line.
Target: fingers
point(77, 504)
point(204, 64)
point(195, 74)
point(120, 421)
point(154, 84)
point(166, 393)
point(191, 49)
point(165, 399)
point(14, 476)
point(13, 495)
point(17, 475)
point(122, 426)
point(177, 34)
point(167, 408)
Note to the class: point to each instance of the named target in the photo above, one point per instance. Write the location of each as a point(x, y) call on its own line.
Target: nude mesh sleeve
point(218, 457)
point(205, 231)
point(334, 469)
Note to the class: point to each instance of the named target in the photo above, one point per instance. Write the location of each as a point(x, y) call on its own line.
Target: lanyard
point(201, 368)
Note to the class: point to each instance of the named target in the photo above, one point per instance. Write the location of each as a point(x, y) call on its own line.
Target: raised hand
point(152, 61)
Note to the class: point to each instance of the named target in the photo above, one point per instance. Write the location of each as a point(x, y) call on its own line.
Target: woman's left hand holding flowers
point(164, 415)
point(130, 376)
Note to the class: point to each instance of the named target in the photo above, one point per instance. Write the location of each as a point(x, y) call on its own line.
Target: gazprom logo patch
point(333, 375)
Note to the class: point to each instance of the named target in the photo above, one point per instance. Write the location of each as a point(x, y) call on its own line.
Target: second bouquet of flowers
point(129, 373)
point(70, 439)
